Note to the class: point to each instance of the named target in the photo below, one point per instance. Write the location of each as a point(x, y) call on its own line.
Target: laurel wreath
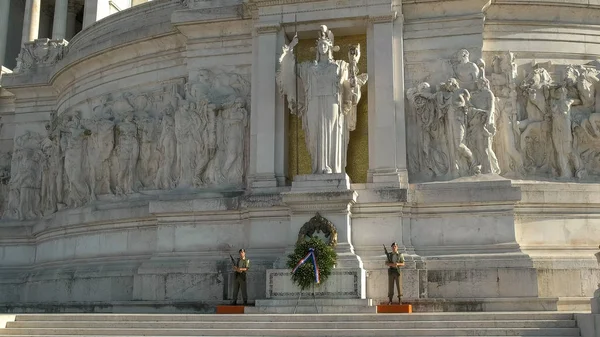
point(326, 256)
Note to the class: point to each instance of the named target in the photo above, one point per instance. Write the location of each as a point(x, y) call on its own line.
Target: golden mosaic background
point(358, 155)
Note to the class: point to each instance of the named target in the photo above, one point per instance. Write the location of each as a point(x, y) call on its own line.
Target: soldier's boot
point(390, 302)
point(233, 302)
point(400, 299)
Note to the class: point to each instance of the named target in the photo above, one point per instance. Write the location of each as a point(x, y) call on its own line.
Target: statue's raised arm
point(286, 76)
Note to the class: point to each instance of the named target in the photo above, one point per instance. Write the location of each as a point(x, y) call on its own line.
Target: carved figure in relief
point(562, 138)
point(5, 163)
point(186, 149)
point(452, 102)
point(75, 136)
point(149, 157)
point(503, 78)
point(207, 168)
point(431, 153)
point(51, 155)
point(100, 145)
point(484, 109)
point(25, 184)
point(127, 151)
point(465, 71)
point(167, 147)
point(234, 126)
point(321, 105)
point(536, 127)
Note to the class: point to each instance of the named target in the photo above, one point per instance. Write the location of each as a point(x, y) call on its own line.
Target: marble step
point(451, 316)
point(295, 332)
point(391, 324)
point(309, 301)
point(310, 309)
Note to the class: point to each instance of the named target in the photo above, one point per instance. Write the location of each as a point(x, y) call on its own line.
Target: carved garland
point(315, 224)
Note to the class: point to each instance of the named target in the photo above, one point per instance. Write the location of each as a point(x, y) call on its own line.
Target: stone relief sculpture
point(5, 161)
point(167, 147)
point(39, 53)
point(192, 136)
point(127, 149)
point(322, 86)
point(25, 185)
point(506, 140)
point(77, 188)
point(544, 123)
point(483, 118)
point(230, 156)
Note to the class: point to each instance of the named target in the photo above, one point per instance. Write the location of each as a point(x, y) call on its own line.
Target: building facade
point(158, 140)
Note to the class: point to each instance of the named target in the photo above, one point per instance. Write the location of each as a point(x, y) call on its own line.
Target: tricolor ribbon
point(310, 255)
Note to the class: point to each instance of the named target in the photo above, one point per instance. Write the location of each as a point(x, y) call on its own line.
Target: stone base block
point(321, 182)
point(514, 304)
point(342, 284)
point(308, 305)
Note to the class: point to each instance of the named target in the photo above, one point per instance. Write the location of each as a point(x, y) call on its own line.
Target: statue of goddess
point(327, 103)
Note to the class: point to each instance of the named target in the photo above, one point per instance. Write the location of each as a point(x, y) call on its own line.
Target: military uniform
point(240, 280)
point(395, 275)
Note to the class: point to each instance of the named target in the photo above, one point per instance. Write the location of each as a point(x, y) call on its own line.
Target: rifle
point(389, 258)
point(232, 260)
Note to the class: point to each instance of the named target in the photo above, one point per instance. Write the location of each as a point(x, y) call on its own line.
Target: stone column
point(72, 11)
point(59, 27)
point(4, 11)
point(31, 21)
point(264, 101)
point(94, 10)
point(387, 134)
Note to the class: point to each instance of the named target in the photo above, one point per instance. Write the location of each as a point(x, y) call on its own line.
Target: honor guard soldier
point(395, 260)
point(241, 268)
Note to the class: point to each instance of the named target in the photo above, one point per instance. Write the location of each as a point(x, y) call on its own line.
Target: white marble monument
point(139, 148)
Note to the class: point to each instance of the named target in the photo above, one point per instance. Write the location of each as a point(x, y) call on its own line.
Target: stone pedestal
point(330, 196)
point(343, 283)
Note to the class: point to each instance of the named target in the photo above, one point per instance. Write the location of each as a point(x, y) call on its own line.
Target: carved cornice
point(267, 28)
point(265, 3)
point(383, 18)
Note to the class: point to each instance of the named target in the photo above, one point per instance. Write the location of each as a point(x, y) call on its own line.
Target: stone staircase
point(347, 325)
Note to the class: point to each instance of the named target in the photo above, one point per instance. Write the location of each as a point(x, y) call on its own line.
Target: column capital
point(267, 28)
point(383, 18)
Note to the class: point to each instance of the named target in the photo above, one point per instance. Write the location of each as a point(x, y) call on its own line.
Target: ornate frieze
point(177, 136)
point(40, 53)
point(544, 125)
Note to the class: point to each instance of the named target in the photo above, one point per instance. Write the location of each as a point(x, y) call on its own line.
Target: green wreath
point(326, 256)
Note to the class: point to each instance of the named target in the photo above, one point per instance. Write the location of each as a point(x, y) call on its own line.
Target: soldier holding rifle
point(240, 267)
point(395, 260)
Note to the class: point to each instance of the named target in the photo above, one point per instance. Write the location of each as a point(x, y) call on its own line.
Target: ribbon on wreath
point(310, 255)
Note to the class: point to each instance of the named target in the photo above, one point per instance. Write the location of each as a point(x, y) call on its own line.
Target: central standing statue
point(328, 92)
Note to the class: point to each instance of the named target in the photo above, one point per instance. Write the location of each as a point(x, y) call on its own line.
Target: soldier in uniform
point(395, 261)
point(241, 268)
